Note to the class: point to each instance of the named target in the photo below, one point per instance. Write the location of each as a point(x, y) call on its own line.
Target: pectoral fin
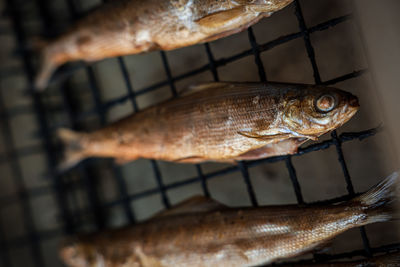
point(219, 19)
point(267, 137)
point(264, 137)
point(193, 204)
point(196, 160)
point(193, 160)
point(266, 10)
point(310, 137)
point(285, 147)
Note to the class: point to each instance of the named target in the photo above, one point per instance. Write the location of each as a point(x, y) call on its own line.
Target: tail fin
point(378, 202)
point(74, 151)
point(47, 65)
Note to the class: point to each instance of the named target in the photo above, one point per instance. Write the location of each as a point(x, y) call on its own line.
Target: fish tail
point(378, 202)
point(47, 64)
point(74, 151)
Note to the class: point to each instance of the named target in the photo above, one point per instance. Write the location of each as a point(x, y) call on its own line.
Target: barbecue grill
point(99, 193)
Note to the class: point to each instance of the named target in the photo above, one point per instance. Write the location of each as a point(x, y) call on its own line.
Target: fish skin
point(124, 27)
point(223, 236)
point(221, 122)
point(387, 260)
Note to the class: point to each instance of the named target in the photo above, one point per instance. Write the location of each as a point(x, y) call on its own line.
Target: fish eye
point(325, 103)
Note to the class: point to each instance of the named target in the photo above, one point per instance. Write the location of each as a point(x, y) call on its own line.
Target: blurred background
point(352, 45)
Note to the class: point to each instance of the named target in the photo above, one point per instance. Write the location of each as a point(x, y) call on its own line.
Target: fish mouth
point(353, 108)
point(351, 111)
point(353, 102)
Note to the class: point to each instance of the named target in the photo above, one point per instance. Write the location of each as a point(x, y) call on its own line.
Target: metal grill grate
point(62, 184)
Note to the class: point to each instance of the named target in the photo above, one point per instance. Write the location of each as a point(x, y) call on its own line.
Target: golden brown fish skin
point(123, 27)
point(218, 122)
point(222, 236)
point(387, 260)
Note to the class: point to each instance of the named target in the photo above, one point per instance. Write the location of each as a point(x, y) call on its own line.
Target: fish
point(201, 232)
point(125, 27)
point(386, 260)
point(220, 122)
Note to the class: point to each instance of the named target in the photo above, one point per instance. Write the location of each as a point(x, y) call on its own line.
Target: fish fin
point(219, 19)
point(377, 202)
point(267, 9)
point(231, 32)
point(193, 159)
point(264, 137)
point(202, 86)
point(254, 154)
point(284, 147)
point(267, 137)
point(74, 152)
point(144, 259)
point(196, 160)
point(46, 70)
point(192, 205)
point(47, 64)
point(310, 137)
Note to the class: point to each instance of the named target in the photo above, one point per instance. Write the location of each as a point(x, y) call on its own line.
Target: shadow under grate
point(61, 184)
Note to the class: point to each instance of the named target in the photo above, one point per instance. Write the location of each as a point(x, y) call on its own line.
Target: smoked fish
point(204, 233)
point(387, 260)
point(221, 122)
point(124, 27)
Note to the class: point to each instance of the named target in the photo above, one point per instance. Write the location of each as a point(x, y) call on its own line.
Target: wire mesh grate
point(63, 183)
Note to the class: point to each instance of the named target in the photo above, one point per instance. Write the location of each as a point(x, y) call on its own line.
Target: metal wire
point(60, 184)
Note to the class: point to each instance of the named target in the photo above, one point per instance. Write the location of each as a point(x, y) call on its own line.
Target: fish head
point(316, 110)
point(76, 254)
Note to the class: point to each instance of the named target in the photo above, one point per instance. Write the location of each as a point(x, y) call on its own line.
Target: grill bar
point(307, 41)
point(203, 180)
point(256, 51)
point(295, 181)
point(212, 63)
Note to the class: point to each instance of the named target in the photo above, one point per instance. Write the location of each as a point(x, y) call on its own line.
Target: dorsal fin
point(192, 205)
point(202, 86)
point(221, 18)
